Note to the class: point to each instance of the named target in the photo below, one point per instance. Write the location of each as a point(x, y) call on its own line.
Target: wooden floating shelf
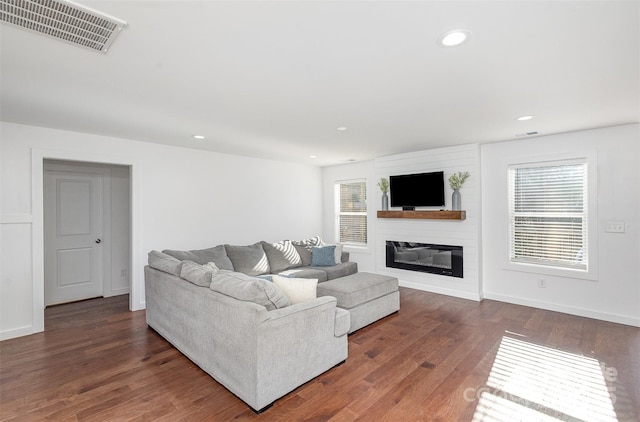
point(424, 215)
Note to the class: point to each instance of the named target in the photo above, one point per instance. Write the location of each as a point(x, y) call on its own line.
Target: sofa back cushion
point(304, 248)
point(249, 289)
point(282, 255)
point(200, 275)
point(250, 260)
point(217, 255)
point(163, 262)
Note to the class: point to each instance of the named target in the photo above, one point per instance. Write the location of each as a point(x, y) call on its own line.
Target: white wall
point(181, 199)
point(615, 294)
point(460, 233)
point(188, 199)
point(120, 231)
point(464, 233)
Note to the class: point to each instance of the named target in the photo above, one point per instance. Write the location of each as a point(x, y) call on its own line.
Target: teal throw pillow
point(323, 256)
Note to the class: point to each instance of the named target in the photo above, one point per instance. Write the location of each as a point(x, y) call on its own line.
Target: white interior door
point(72, 236)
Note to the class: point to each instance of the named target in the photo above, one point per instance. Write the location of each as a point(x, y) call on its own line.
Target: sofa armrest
point(296, 344)
point(321, 304)
point(298, 308)
point(313, 315)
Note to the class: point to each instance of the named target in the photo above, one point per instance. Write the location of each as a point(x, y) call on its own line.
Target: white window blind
point(352, 212)
point(548, 214)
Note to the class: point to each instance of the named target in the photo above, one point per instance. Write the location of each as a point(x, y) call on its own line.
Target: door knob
point(98, 240)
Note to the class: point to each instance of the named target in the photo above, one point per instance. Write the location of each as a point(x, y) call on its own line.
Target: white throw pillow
point(298, 290)
point(338, 252)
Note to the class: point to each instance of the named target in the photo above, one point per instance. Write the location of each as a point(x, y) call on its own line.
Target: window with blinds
point(352, 212)
point(548, 214)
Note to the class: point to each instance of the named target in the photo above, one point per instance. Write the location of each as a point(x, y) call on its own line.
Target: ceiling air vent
point(64, 20)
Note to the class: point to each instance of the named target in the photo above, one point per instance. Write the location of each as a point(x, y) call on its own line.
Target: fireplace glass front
point(425, 257)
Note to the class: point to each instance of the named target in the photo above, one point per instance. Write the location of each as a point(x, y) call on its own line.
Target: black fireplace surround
point(425, 257)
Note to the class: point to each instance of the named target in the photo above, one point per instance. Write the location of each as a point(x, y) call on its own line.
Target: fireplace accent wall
point(425, 257)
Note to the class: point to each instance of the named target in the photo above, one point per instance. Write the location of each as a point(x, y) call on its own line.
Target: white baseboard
point(118, 292)
point(571, 310)
point(16, 332)
point(440, 290)
point(139, 306)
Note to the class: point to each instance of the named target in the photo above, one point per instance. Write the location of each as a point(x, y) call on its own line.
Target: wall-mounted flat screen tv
point(417, 190)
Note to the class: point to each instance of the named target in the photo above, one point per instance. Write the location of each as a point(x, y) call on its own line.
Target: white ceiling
point(274, 79)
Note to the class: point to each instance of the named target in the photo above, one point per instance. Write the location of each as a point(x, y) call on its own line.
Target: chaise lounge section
point(368, 297)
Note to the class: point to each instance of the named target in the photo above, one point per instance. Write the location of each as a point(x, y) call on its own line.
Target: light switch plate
point(614, 227)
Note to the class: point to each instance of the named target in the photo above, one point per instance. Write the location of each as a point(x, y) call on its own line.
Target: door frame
point(104, 173)
point(136, 296)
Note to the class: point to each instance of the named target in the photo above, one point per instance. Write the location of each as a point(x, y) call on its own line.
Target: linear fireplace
point(425, 257)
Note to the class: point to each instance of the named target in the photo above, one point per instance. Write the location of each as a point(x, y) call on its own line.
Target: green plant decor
point(456, 180)
point(383, 184)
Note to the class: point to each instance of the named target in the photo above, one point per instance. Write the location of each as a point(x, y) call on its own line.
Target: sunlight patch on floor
point(536, 383)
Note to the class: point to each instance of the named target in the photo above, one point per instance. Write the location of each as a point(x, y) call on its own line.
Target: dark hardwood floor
point(438, 359)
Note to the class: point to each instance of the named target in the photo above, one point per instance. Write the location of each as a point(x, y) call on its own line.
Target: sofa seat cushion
point(217, 255)
point(359, 288)
point(250, 259)
point(281, 255)
point(249, 289)
point(306, 272)
point(323, 273)
point(341, 270)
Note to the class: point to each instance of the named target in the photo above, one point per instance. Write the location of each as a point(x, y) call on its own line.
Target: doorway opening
point(87, 230)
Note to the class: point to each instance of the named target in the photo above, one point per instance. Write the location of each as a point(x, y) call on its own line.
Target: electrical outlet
point(614, 227)
point(542, 283)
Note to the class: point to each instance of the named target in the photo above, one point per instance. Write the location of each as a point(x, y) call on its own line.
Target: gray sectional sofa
point(223, 309)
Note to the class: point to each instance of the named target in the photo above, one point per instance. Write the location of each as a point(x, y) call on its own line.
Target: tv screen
point(417, 190)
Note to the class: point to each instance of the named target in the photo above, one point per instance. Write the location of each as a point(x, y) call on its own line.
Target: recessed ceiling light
point(341, 128)
point(313, 156)
point(454, 37)
point(523, 118)
point(198, 136)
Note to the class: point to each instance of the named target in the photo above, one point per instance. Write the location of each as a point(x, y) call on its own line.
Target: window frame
point(590, 220)
point(338, 213)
